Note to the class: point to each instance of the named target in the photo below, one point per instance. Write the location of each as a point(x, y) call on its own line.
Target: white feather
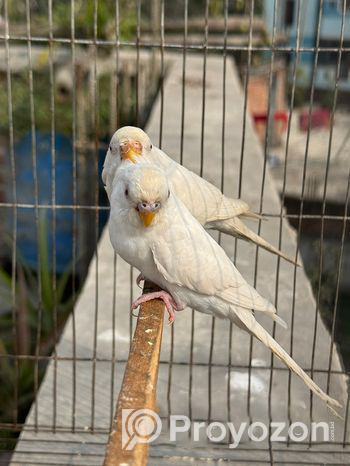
point(205, 202)
point(177, 254)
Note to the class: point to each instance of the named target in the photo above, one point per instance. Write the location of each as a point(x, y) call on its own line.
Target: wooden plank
point(139, 385)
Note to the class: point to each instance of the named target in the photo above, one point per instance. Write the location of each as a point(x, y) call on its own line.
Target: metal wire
point(224, 67)
point(320, 265)
point(94, 99)
point(105, 208)
point(169, 45)
point(74, 232)
point(93, 209)
point(183, 96)
point(14, 213)
point(114, 304)
point(302, 196)
point(36, 210)
point(240, 181)
point(296, 62)
point(53, 200)
point(266, 147)
point(197, 364)
point(162, 71)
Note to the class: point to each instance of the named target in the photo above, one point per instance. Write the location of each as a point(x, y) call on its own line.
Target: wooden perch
point(139, 385)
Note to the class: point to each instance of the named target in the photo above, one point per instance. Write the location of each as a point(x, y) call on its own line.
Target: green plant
point(63, 107)
point(21, 106)
point(17, 376)
point(85, 18)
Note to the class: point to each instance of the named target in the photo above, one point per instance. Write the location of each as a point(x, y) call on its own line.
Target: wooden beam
point(139, 385)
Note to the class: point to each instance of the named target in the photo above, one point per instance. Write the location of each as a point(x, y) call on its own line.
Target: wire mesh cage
point(252, 96)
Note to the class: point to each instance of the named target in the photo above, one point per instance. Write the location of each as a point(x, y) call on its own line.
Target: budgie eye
point(126, 193)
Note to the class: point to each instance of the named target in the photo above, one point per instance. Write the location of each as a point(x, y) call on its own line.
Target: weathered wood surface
point(139, 385)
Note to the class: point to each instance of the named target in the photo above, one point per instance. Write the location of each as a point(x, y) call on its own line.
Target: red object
point(278, 116)
point(319, 119)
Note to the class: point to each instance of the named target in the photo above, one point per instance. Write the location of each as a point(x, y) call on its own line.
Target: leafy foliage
point(63, 107)
point(84, 17)
point(19, 327)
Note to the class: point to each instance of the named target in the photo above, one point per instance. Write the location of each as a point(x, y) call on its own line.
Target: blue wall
point(330, 31)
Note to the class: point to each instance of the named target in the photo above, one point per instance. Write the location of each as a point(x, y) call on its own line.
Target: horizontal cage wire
point(252, 96)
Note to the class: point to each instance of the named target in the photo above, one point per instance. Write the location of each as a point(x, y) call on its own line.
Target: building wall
point(258, 102)
point(330, 33)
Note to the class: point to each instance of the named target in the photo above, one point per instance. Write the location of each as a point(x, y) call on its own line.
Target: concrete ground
point(318, 148)
point(188, 368)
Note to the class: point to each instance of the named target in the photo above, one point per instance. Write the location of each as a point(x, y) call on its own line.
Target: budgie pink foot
point(140, 278)
point(168, 300)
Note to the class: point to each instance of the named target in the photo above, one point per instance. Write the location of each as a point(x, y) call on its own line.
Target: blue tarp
point(26, 225)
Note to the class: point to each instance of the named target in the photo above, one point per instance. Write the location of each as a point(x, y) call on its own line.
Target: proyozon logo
point(144, 426)
point(139, 425)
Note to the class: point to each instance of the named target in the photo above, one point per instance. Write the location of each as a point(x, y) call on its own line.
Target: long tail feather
point(252, 215)
point(279, 321)
point(236, 227)
point(259, 332)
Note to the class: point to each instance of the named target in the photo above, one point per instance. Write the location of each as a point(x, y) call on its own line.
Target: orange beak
point(147, 218)
point(130, 150)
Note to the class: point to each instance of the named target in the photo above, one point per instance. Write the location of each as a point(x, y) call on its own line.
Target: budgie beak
point(147, 218)
point(147, 212)
point(130, 150)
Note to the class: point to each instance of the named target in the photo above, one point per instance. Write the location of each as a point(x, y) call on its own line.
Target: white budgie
point(205, 202)
point(153, 231)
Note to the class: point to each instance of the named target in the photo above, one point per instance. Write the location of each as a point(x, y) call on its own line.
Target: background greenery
point(19, 326)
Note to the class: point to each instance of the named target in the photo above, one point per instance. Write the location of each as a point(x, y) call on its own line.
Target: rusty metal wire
point(160, 46)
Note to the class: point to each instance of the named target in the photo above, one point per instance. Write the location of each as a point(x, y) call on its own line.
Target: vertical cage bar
point(114, 320)
point(36, 211)
point(162, 71)
point(301, 208)
point(131, 282)
point(190, 375)
point(246, 83)
point(183, 81)
point(172, 331)
point(204, 80)
point(170, 372)
point(223, 133)
point(74, 188)
point(14, 212)
point(346, 422)
point(240, 179)
point(96, 200)
point(266, 146)
point(53, 201)
point(290, 116)
point(324, 197)
point(137, 81)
